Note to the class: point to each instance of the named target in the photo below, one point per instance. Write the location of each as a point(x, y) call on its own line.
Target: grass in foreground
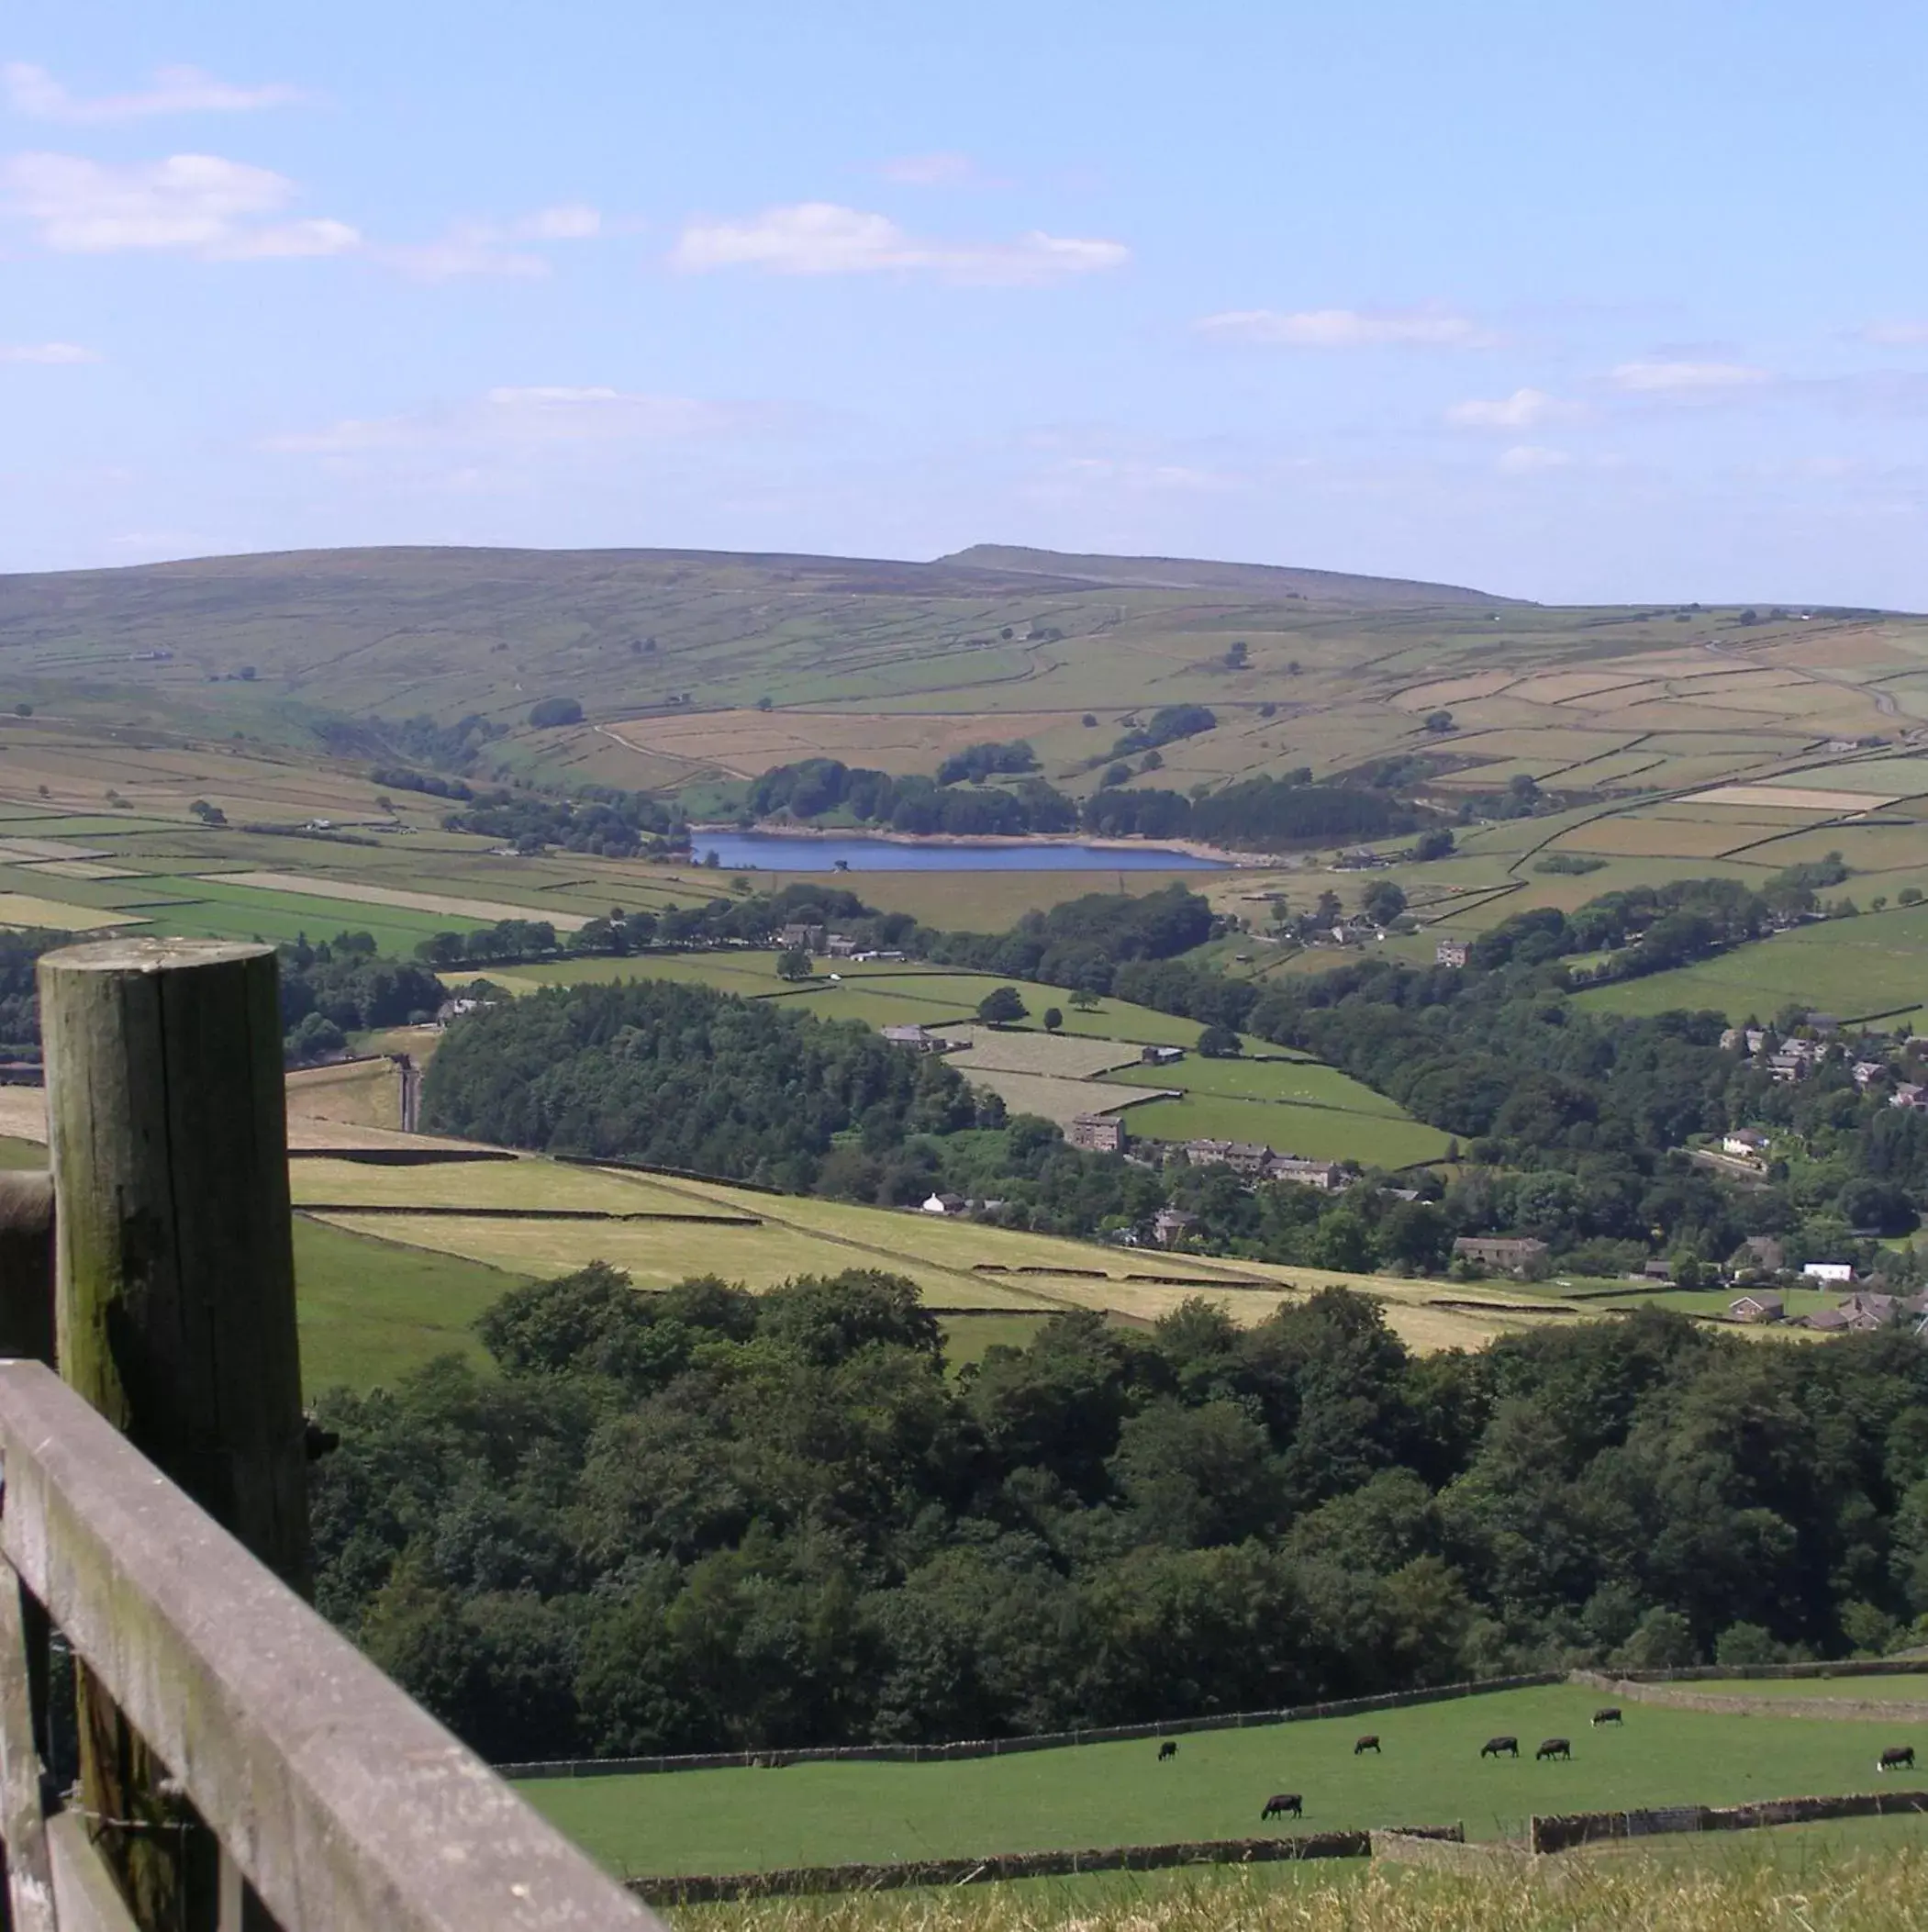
point(1824, 1890)
point(1430, 1773)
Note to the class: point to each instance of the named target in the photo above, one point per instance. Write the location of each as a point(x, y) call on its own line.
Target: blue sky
point(1617, 302)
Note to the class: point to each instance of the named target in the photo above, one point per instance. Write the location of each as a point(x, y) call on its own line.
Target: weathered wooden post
point(175, 1296)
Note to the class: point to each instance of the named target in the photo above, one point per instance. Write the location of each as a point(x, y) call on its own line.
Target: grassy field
point(1865, 1876)
point(956, 1264)
point(1430, 1772)
point(371, 1309)
point(1322, 1133)
point(1875, 964)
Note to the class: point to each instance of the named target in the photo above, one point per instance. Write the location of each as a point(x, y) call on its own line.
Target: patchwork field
point(1428, 1772)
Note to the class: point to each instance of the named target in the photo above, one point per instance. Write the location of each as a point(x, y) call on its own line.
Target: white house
point(1745, 1144)
point(1829, 1271)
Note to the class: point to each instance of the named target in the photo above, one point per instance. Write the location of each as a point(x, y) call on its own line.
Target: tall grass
point(1883, 1893)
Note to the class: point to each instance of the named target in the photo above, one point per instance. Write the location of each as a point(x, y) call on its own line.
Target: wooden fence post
point(175, 1298)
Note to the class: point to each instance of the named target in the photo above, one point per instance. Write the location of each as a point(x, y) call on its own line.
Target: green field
point(1322, 1133)
point(1876, 964)
point(1309, 1081)
point(1430, 1773)
point(370, 1309)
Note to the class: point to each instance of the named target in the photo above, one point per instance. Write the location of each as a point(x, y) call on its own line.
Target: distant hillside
point(1246, 580)
point(271, 640)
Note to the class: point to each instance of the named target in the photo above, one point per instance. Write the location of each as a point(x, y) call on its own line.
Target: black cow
point(1554, 1747)
point(1501, 1748)
point(1167, 1749)
point(1897, 1758)
point(1280, 1804)
point(1609, 1715)
point(1370, 1742)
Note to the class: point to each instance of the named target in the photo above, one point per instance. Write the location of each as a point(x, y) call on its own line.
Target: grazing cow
point(1167, 1749)
point(1501, 1748)
point(1370, 1742)
point(1897, 1758)
point(1280, 1804)
point(1554, 1747)
point(1609, 1715)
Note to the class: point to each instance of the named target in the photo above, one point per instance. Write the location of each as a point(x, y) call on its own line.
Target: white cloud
point(930, 171)
point(818, 238)
point(34, 91)
point(491, 248)
point(531, 415)
point(198, 203)
point(48, 353)
point(1527, 458)
point(1520, 410)
point(1351, 329)
point(1685, 379)
point(1896, 335)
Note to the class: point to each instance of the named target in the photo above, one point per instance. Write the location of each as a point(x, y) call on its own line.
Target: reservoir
point(781, 852)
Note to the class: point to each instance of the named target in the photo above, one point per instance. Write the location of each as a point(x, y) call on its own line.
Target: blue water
point(779, 852)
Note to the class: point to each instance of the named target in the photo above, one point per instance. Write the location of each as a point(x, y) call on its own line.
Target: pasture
point(1430, 1771)
point(763, 1239)
point(370, 1309)
point(1876, 964)
point(1320, 1132)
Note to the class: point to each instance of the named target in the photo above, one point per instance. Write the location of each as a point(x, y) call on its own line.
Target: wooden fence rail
point(243, 1768)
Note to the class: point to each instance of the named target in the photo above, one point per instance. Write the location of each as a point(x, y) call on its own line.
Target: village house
point(1097, 1134)
point(1867, 1071)
point(1450, 953)
point(1762, 1306)
point(1745, 1144)
point(1161, 1055)
point(1507, 1253)
point(1911, 1095)
point(1762, 1252)
point(944, 1204)
point(918, 1038)
point(1327, 1175)
point(810, 938)
point(1828, 1271)
point(1169, 1225)
point(1242, 1156)
point(841, 945)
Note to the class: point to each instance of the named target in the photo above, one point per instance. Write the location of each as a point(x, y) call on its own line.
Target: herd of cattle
point(1281, 1804)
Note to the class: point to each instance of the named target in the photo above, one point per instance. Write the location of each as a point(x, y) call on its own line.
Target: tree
point(1151, 761)
point(548, 712)
point(1435, 844)
point(24, 710)
point(1089, 719)
point(1383, 901)
point(793, 964)
point(1237, 655)
point(1054, 1019)
point(1003, 1007)
point(1118, 774)
point(764, 704)
point(1439, 721)
point(1219, 1043)
point(1084, 999)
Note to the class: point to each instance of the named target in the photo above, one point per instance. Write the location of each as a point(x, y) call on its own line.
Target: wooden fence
point(242, 1765)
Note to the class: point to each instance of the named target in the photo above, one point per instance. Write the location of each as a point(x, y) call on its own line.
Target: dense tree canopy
point(700, 1519)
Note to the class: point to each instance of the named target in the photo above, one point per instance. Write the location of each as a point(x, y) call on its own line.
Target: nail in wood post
point(175, 1291)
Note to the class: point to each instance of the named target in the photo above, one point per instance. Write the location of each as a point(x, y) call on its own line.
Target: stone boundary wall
point(1826, 1710)
point(1767, 1673)
point(1586, 1827)
point(797, 1880)
point(1442, 1854)
point(1002, 1747)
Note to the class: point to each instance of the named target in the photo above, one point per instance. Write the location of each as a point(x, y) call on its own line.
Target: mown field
point(762, 1239)
point(1430, 1772)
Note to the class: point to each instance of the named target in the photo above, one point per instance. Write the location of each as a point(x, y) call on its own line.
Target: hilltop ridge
point(1257, 580)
